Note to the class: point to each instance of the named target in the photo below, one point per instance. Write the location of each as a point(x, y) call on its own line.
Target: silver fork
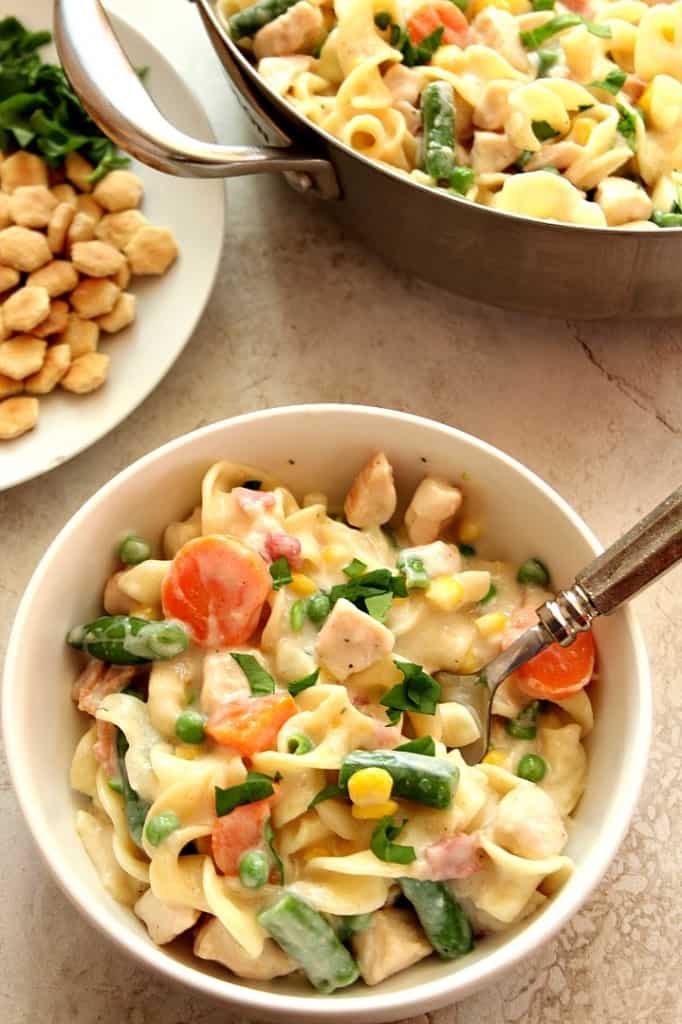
point(642, 555)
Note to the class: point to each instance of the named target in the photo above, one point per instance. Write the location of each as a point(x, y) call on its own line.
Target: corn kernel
point(302, 585)
point(369, 812)
point(520, 6)
point(645, 101)
point(445, 593)
point(479, 5)
point(469, 663)
point(335, 554)
point(370, 786)
point(668, 32)
point(582, 129)
point(144, 611)
point(469, 531)
point(496, 757)
point(492, 623)
point(187, 751)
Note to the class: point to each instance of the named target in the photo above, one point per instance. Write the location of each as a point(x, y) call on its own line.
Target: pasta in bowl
point(566, 112)
point(177, 769)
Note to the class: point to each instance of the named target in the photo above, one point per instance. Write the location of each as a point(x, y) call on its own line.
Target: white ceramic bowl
point(316, 447)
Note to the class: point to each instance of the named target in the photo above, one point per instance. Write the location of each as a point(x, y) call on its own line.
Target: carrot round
point(557, 672)
point(237, 832)
point(428, 18)
point(250, 724)
point(217, 588)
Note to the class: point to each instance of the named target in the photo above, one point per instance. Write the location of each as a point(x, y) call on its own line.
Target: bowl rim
point(370, 1006)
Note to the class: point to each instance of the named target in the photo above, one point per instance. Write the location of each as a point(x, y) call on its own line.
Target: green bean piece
point(254, 869)
point(461, 180)
point(310, 941)
point(666, 220)
point(525, 725)
point(160, 827)
point(297, 616)
point(249, 20)
point(532, 768)
point(297, 743)
point(133, 549)
point(444, 922)
point(533, 571)
point(427, 780)
point(126, 640)
point(189, 726)
point(438, 116)
point(136, 809)
point(318, 608)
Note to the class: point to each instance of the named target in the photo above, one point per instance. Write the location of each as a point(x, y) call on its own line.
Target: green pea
point(533, 571)
point(524, 726)
point(532, 768)
point(297, 743)
point(297, 616)
point(254, 869)
point(189, 726)
point(160, 827)
point(133, 550)
point(318, 607)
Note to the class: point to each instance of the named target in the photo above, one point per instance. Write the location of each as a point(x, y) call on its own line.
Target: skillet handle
point(112, 93)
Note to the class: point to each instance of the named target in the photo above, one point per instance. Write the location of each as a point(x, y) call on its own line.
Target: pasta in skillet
point(273, 758)
point(565, 110)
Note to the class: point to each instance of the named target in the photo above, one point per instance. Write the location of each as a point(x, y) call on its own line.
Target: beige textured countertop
point(302, 313)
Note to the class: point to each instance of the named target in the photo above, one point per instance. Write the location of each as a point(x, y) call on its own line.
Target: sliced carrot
point(250, 724)
point(556, 673)
point(237, 832)
point(217, 588)
point(428, 18)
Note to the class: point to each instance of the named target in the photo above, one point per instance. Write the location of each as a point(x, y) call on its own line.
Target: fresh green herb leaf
point(613, 82)
point(461, 180)
point(297, 616)
point(546, 60)
point(418, 692)
point(395, 38)
point(424, 51)
point(382, 19)
point(257, 786)
point(260, 681)
point(412, 568)
point(269, 837)
point(383, 847)
point(543, 5)
point(253, 485)
point(280, 570)
point(327, 793)
point(379, 606)
point(303, 684)
point(524, 726)
point(423, 745)
point(602, 31)
point(543, 131)
point(369, 584)
point(356, 568)
point(627, 126)
point(534, 38)
point(136, 808)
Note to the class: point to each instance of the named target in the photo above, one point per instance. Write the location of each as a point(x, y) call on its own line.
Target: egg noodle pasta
point(564, 110)
point(272, 760)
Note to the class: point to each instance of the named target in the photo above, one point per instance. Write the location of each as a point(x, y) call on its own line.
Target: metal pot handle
point(112, 93)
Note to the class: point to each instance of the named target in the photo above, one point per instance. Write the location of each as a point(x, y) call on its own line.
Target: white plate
point(168, 307)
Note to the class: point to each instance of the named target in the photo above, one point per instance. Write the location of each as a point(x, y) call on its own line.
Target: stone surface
point(302, 313)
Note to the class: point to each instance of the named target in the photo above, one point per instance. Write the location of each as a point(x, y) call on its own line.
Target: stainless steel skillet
point(554, 269)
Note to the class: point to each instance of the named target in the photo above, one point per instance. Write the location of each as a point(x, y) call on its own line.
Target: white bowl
point(316, 447)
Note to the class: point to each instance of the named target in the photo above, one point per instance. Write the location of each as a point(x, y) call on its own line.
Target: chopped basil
point(382, 19)
point(613, 82)
point(302, 684)
point(257, 786)
point(543, 131)
point(546, 60)
point(136, 809)
point(534, 38)
point(416, 576)
point(253, 485)
point(492, 589)
point(327, 793)
point(383, 847)
point(369, 584)
point(423, 745)
point(280, 570)
point(468, 550)
point(417, 692)
point(379, 606)
point(356, 568)
point(627, 126)
point(260, 681)
point(270, 842)
point(396, 35)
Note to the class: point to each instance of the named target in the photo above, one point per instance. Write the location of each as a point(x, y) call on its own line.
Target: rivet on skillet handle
point(112, 93)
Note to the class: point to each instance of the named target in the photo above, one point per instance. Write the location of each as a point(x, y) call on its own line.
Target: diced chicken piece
point(214, 942)
point(623, 200)
point(223, 679)
point(492, 152)
point(97, 681)
point(297, 31)
point(528, 823)
point(282, 545)
point(560, 155)
point(392, 942)
point(434, 505)
point(499, 30)
point(371, 499)
point(411, 116)
point(438, 558)
point(105, 747)
point(453, 857)
point(404, 83)
point(350, 641)
point(164, 923)
point(492, 109)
